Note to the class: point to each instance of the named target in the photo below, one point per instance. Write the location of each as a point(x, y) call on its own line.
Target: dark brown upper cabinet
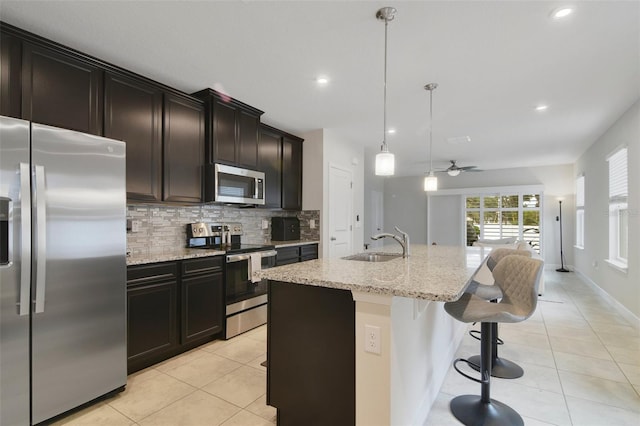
point(133, 113)
point(291, 172)
point(270, 162)
point(10, 70)
point(280, 158)
point(231, 131)
point(183, 132)
point(61, 90)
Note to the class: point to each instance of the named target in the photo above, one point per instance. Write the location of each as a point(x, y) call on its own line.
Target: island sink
point(373, 257)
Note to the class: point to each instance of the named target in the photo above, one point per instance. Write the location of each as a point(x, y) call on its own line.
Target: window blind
point(580, 191)
point(618, 187)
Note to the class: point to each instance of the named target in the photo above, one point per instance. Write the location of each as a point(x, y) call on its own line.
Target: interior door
point(340, 201)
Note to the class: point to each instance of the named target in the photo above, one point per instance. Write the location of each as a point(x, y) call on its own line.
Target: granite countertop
point(280, 244)
point(438, 273)
point(179, 253)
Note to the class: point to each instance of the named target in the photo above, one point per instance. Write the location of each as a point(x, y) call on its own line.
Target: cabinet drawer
point(287, 255)
point(156, 272)
point(309, 251)
point(202, 265)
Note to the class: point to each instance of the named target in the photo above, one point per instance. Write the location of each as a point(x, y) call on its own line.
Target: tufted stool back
point(518, 278)
point(497, 254)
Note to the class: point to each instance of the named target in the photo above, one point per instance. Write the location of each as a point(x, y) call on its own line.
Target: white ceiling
point(494, 62)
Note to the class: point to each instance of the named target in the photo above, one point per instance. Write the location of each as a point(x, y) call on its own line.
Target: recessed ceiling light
point(391, 131)
point(542, 107)
point(561, 12)
point(322, 80)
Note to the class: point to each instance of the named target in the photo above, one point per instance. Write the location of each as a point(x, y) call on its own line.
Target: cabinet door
point(61, 90)
point(183, 149)
point(224, 132)
point(247, 142)
point(270, 162)
point(291, 173)
point(133, 113)
point(151, 323)
point(202, 307)
point(10, 63)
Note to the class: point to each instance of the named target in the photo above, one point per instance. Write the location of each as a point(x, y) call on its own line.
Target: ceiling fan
point(454, 170)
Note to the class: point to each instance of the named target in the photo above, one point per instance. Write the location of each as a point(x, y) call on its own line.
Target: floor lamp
point(561, 268)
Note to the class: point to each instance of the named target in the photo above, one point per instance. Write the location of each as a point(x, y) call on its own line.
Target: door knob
point(332, 238)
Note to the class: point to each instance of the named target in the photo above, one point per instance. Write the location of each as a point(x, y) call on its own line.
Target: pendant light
point(430, 181)
point(385, 161)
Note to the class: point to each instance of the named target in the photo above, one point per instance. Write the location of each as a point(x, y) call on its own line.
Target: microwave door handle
point(255, 188)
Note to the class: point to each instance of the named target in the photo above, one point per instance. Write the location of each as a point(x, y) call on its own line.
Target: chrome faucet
point(403, 241)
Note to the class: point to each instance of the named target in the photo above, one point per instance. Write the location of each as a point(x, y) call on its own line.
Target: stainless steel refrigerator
point(62, 270)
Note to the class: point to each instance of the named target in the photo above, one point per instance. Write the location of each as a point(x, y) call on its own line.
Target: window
point(580, 212)
point(618, 212)
point(497, 216)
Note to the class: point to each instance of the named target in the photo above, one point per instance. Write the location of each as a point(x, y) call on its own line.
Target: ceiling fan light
point(453, 172)
point(385, 164)
point(430, 182)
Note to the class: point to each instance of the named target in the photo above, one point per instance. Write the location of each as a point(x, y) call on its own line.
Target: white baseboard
point(622, 310)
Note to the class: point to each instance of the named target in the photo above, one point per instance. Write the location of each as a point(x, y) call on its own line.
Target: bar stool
point(500, 367)
point(518, 277)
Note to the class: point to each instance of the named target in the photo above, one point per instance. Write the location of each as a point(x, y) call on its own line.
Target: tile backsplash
point(160, 229)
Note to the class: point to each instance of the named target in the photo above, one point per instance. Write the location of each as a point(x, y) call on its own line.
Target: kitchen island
point(319, 358)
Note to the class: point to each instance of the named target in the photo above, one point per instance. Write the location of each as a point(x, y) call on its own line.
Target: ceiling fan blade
point(467, 168)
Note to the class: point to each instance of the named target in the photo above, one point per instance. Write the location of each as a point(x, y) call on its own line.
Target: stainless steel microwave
point(236, 185)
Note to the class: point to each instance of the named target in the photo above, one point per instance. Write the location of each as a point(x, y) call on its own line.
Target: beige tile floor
point(581, 360)
point(221, 383)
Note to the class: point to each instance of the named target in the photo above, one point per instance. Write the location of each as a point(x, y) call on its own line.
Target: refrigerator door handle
point(41, 238)
point(24, 305)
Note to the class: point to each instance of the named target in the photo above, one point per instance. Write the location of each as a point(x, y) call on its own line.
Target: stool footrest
point(470, 364)
point(476, 335)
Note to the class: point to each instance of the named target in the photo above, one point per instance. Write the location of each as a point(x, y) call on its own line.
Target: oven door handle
point(237, 257)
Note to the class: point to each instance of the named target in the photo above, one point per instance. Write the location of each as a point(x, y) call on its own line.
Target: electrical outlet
point(372, 339)
point(312, 223)
point(135, 226)
point(265, 224)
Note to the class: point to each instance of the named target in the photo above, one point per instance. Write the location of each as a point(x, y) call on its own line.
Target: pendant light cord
point(384, 130)
point(430, 129)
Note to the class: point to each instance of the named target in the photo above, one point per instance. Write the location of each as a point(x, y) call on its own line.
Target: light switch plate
point(265, 224)
point(312, 223)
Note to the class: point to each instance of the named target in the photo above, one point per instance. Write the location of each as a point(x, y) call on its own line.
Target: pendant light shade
point(430, 181)
point(385, 161)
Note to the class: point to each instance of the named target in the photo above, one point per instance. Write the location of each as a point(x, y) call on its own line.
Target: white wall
point(558, 181)
point(321, 148)
point(624, 287)
point(405, 206)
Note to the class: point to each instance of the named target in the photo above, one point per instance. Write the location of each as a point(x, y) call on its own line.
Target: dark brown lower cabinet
point(172, 307)
point(311, 355)
point(152, 303)
point(202, 298)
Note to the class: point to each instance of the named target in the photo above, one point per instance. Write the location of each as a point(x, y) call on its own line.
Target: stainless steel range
point(245, 296)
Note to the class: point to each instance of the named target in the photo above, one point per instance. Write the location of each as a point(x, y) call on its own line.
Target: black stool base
point(471, 411)
point(502, 368)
